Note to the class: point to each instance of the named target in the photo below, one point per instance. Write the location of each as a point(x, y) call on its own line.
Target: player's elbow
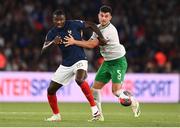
point(43, 50)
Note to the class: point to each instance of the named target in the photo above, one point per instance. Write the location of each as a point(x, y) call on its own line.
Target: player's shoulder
point(111, 27)
point(52, 29)
point(78, 21)
point(75, 21)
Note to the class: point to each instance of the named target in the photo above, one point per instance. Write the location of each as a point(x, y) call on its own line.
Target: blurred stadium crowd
point(149, 30)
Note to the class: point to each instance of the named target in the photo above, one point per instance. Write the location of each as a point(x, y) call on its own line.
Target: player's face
point(104, 18)
point(59, 20)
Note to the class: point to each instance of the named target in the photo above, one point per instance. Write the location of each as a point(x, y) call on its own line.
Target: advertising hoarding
point(32, 87)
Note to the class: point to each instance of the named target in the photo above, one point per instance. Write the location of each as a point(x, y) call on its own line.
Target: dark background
point(149, 30)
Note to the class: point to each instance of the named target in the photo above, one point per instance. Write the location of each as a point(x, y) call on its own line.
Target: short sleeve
point(80, 24)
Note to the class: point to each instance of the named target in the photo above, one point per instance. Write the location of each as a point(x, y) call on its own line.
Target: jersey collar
point(103, 27)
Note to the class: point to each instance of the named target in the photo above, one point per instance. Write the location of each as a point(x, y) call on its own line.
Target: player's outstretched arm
point(85, 44)
point(102, 40)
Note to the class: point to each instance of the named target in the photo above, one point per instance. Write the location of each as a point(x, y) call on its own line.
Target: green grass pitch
point(77, 114)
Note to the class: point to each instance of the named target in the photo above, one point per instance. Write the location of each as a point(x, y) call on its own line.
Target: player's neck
point(60, 27)
point(104, 26)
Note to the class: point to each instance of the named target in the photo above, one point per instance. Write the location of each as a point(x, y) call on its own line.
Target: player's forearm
point(86, 44)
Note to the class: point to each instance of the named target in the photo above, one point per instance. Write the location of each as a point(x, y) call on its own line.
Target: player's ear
point(98, 15)
point(110, 17)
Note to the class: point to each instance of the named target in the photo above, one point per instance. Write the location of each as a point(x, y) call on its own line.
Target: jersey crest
point(69, 32)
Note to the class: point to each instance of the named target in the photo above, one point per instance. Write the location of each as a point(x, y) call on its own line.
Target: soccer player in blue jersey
point(74, 60)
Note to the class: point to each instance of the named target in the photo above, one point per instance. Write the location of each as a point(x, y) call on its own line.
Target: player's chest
point(107, 34)
point(68, 31)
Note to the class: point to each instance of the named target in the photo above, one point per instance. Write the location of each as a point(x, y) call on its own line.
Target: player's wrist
point(75, 42)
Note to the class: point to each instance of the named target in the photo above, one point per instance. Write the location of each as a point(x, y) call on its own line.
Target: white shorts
point(64, 75)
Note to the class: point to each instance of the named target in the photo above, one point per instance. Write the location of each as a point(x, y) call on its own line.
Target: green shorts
point(113, 69)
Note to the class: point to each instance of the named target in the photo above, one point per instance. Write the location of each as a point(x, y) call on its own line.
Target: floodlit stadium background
point(149, 30)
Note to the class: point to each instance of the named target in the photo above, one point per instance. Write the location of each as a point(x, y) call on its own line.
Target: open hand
point(58, 40)
point(69, 40)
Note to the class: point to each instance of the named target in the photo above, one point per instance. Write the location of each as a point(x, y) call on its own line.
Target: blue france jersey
point(72, 53)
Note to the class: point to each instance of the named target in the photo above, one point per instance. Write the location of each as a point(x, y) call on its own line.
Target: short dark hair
point(106, 8)
point(58, 12)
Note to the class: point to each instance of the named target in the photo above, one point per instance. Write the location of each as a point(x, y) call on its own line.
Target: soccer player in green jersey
point(115, 65)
